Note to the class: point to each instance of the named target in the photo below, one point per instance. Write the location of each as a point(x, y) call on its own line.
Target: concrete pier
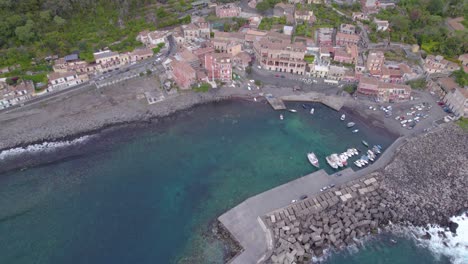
point(333, 102)
point(276, 103)
point(244, 221)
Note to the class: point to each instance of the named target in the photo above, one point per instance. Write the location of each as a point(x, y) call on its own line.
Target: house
point(178, 36)
point(348, 54)
point(62, 80)
point(370, 6)
point(437, 64)
point(359, 16)
point(242, 60)
point(343, 39)
point(105, 57)
point(200, 53)
point(456, 98)
point(79, 66)
point(324, 36)
point(228, 10)
point(464, 61)
point(218, 66)
point(11, 95)
point(392, 74)
point(255, 21)
point(184, 75)
point(375, 61)
point(336, 72)
point(141, 54)
point(199, 28)
point(287, 10)
point(152, 38)
point(384, 92)
point(276, 53)
point(319, 70)
point(347, 29)
point(382, 25)
point(226, 46)
point(304, 16)
point(288, 30)
point(187, 56)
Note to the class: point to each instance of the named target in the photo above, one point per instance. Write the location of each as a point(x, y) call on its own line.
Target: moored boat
point(281, 117)
point(304, 106)
point(365, 143)
point(350, 124)
point(313, 159)
point(342, 117)
point(355, 130)
point(292, 110)
point(312, 111)
point(331, 162)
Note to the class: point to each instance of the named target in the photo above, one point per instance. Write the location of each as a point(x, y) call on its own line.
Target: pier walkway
point(334, 102)
point(276, 103)
point(244, 221)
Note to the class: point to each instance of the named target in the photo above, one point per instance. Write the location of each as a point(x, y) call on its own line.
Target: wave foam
point(43, 147)
point(444, 242)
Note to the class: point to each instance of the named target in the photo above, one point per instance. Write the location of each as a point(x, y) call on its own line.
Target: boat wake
point(43, 147)
point(442, 241)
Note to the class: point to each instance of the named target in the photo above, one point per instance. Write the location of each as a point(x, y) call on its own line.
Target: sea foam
point(42, 147)
point(444, 242)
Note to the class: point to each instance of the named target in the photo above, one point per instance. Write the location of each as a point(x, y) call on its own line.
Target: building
point(304, 16)
point(242, 60)
point(382, 25)
point(79, 66)
point(287, 10)
point(288, 30)
point(187, 56)
point(359, 16)
point(230, 36)
point(348, 54)
point(347, 29)
point(62, 80)
point(336, 72)
point(384, 92)
point(228, 10)
point(392, 74)
point(199, 28)
point(456, 98)
point(105, 57)
point(141, 54)
point(153, 38)
point(343, 39)
point(464, 61)
point(325, 36)
point(278, 54)
point(218, 67)
point(375, 62)
point(184, 75)
point(226, 46)
point(437, 64)
point(11, 95)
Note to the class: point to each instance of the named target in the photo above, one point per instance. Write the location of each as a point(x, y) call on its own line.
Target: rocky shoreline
point(425, 184)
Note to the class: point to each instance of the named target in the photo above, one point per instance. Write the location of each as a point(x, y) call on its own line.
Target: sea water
point(150, 194)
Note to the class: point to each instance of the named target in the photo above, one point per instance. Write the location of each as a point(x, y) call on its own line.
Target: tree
point(436, 7)
point(59, 21)
point(25, 33)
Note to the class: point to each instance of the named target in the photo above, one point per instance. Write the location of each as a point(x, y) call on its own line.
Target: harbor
point(244, 221)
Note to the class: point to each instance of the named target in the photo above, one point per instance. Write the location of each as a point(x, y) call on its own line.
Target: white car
point(251, 81)
point(404, 122)
point(260, 67)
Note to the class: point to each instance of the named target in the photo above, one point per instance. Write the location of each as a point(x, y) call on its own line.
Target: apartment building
point(228, 10)
point(384, 92)
point(375, 62)
point(218, 67)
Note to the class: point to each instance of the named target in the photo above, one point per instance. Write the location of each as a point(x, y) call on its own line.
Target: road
point(116, 75)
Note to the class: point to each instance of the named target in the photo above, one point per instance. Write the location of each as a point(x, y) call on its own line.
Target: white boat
point(312, 111)
point(358, 163)
point(355, 130)
point(281, 117)
point(343, 117)
point(331, 162)
point(351, 124)
point(292, 110)
point(336, 159)
point(313, 159)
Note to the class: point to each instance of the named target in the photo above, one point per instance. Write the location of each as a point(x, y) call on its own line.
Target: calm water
point(148, 195)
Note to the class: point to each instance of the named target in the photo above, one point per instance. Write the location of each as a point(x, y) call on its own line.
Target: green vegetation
point(419, 84)
point(257, 82)
point(39, 28)
point(463, 123)
point(268, 22)
point(234, 24)
point(304, 30)
point(202, 88)
point(423, 23)
point(309, 58)
point(461, 77)
point(395, 55)
point(327, 17)
point(158, 48)
point(266, 4)
point(348, 8)
point(350, 88)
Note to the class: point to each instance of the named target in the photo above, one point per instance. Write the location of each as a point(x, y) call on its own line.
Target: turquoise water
point(150, 194)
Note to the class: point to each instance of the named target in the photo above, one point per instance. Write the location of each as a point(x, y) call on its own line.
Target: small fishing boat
point(281, 117)
point(313, 159)
point(292, 110)
point(312, 111)
point(331, 162)
point(350, 124)
point(376, 150)
point(304, 106)
point(358, 163)
point(365, 143)
point(255, 99)
point(343, 117)
point(355, 130)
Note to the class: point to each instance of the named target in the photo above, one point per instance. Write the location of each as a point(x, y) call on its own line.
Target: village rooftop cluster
point(206, 55)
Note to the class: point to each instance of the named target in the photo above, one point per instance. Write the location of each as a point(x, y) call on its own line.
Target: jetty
point(334, 102)
point(245, 221)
